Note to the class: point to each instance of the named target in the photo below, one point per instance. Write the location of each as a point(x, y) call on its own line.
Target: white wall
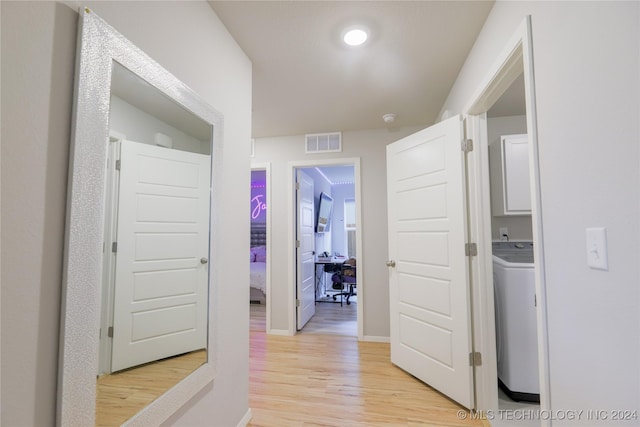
point(36, 112)
point(586, 64)
point(323, 241)
point(140, 126)
point(38, 48)
point(340, 192)
point(370, 146)
point(332, 241)
point(519, 226)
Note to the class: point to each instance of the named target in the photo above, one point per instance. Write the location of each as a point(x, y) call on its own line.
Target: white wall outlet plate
point(597, 254)
point(504, 234)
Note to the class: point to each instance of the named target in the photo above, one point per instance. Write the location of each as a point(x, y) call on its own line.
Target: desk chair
point(331, 268)
point(340, 281)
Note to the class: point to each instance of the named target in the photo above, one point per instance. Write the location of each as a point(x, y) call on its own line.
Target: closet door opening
point(502, 123)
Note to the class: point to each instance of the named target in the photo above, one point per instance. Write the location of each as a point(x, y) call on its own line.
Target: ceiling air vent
point(323, 142)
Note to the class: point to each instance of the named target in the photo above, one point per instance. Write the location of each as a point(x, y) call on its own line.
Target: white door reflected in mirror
point(163, 229)
point(154, 287)
point(136, 270)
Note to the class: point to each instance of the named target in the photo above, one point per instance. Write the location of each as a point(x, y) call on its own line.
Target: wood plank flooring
point(313, 379)
point(123, 394)
point(329, 380)
point(335, 319)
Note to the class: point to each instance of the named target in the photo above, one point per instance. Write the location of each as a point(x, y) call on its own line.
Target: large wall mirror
point(136, 336)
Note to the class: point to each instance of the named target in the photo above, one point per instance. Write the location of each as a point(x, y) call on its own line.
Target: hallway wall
point(38, 60)
point(370, 146)
point(587, 76)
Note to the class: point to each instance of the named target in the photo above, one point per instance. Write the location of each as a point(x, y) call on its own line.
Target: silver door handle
point(203, 260)
point(391, 264)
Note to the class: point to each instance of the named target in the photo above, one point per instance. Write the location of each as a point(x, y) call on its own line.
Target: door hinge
point(110, 332)
point(297, 185)
point(114, 247)
point(467, 145)
point(297, 243)
point(118, 164)
point(475, 359)
point(471, 249)
point(297, 303)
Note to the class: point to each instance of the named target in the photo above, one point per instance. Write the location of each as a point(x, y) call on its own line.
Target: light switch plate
point(597, 256)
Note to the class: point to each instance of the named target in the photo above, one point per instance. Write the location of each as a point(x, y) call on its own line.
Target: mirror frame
point(99, 45)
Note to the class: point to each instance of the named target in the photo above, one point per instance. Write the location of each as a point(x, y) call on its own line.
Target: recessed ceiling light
point(355, 36)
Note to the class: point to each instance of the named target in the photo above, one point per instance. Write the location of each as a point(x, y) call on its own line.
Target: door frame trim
point(291, 220)
point(107, 284)
point(516, 57)
point(266, 166)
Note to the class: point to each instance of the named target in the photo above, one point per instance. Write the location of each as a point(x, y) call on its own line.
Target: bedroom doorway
point(336, 244)
point(259, 247)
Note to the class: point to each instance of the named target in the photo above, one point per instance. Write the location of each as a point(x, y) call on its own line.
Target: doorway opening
point(512, 249)
point(326, 289)
point(259, 247)
point(507, 225)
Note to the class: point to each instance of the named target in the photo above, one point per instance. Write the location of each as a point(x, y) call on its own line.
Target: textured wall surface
point(38, 60)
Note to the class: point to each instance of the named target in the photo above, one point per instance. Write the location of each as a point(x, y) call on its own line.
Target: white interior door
point(429, 293)
point(305, 272)
point(160, 303)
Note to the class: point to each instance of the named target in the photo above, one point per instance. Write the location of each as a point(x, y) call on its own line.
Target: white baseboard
point(373, 338)
point(245, 420)
point(284, 332)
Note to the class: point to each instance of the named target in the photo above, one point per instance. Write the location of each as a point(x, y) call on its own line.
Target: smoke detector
point(389, 118)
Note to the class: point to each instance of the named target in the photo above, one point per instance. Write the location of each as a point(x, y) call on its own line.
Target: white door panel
point(305, 279)
point(407, 209)
point(161, 285)
point(165, 246)
point(153, 323)
point(156, 208)
point(167, 172)
point(429, 295)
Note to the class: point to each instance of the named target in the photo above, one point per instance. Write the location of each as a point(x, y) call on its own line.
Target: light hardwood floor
point(315, 379)
point(335, 319)
point(123, 394)
point(320, 377)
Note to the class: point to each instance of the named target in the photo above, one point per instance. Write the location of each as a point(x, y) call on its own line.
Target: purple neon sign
point(257, 206)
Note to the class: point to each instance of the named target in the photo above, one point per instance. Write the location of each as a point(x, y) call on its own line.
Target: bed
point(258, 264)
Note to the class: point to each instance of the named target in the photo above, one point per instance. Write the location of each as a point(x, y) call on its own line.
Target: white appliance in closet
point(516, 332)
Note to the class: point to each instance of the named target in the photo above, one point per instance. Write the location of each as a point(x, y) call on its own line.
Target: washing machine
point(516, 325)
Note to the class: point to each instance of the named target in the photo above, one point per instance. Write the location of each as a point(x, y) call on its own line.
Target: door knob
point(203, 260)
point(391, 264)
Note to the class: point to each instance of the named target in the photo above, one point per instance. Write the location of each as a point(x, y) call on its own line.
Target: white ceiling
point(512, 102)
point(338, 175)
point(306, 81)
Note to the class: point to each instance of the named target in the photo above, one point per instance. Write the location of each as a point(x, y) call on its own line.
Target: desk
point(321, 286)
point(337, 264)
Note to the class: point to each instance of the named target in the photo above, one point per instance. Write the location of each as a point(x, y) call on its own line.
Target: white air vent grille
point(323, 142)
